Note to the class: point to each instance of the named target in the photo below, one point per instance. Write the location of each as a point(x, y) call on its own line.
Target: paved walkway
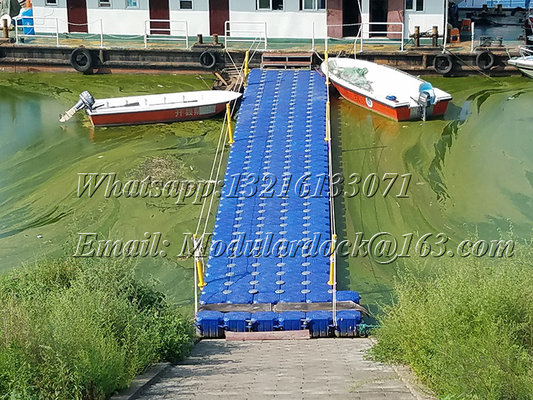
point(303, 369)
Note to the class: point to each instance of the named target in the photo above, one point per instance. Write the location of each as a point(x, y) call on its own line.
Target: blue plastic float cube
point(348, 295)
point(291, 320)
point(347, 321)
point(264, 321)
point(236, 321)
point(319, 323)
point(209, 324)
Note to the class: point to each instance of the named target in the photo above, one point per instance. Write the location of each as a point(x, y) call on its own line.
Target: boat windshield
point(355, 76)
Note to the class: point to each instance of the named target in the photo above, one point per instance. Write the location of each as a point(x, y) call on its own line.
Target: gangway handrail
point(252, 35)
point(360, 37)
point(174, 33)
point(53, 34)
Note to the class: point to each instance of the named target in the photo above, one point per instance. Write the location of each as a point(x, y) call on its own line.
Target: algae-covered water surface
point(469, 173)
point(470, 176)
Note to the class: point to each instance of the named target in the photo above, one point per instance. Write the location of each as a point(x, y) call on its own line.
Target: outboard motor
point(86, 101)
point(426, 97)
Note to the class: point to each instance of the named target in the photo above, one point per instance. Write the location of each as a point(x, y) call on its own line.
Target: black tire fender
point(81, 60)
point(485, 60)
point(207, 59)
point(443, 63)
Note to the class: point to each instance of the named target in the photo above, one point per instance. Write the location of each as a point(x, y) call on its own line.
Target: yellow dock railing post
point(198, 263)
point(246, 68)
point(328, 116)
point(332, 278)
point(230, 127)
point(327, 67)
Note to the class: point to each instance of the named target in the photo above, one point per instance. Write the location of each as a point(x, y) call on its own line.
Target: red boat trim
point(400, 113)
point(397, 113)
point(156, 116)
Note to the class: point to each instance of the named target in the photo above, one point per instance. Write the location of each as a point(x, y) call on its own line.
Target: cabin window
point(269, 5)
point(50, 3)
point(185, 4)
point(311, 5)
point(132, 4)
point(263, 4)
point(416, 5)
point(104, 3)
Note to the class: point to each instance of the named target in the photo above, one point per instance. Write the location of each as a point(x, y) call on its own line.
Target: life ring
point(81, 60)
point(485, 60)
point(207, 59)
point(443, 63)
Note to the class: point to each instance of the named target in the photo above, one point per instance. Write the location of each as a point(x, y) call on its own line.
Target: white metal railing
point(177, 31)
point(492, 3)
point(49, 28)
point(244, 31)
point(472, 36)
point(366, 33)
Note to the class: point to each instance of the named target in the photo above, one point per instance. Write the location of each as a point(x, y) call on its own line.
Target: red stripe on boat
point(156, 116)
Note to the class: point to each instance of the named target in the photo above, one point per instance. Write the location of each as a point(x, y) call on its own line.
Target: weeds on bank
point(466, 330)
point(71, 330)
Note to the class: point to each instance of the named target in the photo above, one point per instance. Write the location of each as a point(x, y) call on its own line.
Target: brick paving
point(283, 369)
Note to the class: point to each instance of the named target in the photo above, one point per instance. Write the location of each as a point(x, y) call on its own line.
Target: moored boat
point(154, 108)
point(386, 90)
point(525, 62)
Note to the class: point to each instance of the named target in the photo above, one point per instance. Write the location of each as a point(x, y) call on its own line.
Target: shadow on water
point(50, 217)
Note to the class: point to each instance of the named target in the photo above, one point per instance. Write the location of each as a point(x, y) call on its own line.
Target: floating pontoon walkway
point(279, 140)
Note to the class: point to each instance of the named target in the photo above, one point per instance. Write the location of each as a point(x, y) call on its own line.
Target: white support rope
point(333, 228)
point(214, 177)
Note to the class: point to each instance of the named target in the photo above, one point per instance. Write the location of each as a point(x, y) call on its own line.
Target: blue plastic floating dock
point(279, 139)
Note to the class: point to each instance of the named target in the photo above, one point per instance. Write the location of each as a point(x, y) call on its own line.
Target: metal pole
point(265, 34)
point(195, 281)
point(186, 35)
point(362, 25)
point(101, 34)
point(472, 32)
point(226, 23)
point(445, 36)
point(145, 34)
point(313, 38)
point(16, 31)
point(403, 27)
point(57, 31)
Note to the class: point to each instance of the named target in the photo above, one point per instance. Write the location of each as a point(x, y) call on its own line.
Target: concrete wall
point(280, 24)
point(433, 14)
point(42, 13)
point(289, 23)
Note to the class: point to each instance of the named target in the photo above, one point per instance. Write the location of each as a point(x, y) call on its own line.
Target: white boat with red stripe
point(153, 108)
point(385, 90)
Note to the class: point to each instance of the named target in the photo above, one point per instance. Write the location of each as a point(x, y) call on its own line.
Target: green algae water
point(42, 215)
point(471, 172)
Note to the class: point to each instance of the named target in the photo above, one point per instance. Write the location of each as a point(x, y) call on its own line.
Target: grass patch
point(466, 330)
point(71, 330)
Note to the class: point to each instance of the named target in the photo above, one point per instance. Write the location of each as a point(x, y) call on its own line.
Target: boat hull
point(403, 113)
point(157, 116)
point(525, 68)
